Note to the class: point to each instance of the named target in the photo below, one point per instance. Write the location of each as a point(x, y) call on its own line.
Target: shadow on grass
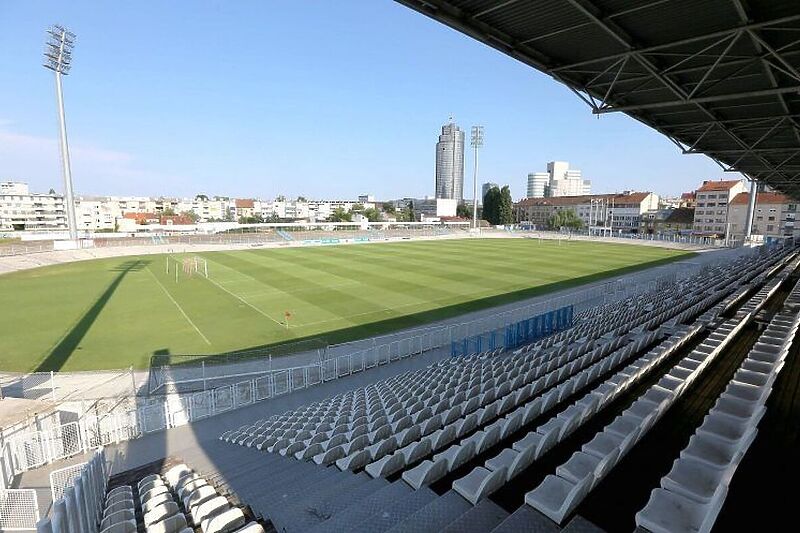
point(63, 350)
point(413, 320)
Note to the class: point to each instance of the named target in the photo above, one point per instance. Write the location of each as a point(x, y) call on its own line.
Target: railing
point(19, 509)
point(81, 505)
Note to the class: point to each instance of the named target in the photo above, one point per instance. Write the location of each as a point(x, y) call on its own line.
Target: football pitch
point(113, 313)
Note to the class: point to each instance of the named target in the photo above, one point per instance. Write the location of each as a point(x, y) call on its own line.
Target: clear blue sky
point(327, 99)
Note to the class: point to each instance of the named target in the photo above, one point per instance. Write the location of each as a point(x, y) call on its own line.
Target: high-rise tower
point(450, 162)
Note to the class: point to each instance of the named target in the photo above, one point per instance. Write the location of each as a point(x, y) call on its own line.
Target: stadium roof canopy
point(717, 77)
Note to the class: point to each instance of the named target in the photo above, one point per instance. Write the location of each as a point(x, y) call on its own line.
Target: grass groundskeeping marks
point(112, 313)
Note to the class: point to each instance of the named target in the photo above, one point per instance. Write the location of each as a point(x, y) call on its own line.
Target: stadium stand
point(424, 428)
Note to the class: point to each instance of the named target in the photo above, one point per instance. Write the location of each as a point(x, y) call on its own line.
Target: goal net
point(186, 267)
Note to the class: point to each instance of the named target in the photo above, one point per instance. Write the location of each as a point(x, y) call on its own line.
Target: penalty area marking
point(189, 320)
point(281, 324)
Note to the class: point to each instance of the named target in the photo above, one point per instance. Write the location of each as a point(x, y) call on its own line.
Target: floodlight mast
point(477, 142)
point(58, 58)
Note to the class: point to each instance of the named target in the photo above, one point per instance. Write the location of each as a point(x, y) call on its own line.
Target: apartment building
point(712, 201)
point(619, 212)
point(21, 209)
point(774, 215)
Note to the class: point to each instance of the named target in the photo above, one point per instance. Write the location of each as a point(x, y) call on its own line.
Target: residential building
point(245, 208)
point(450, 163)
point(13, 187)
point(774, 215)
point(667, 221)
point(712, 200)
point(22, 210)
point(617, 212)
point(538, 185)
point(688, 199)
point(97, 214)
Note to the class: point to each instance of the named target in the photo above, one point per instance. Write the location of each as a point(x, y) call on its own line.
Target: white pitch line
point(246, 302)
point(394, 308)
point(189, 320)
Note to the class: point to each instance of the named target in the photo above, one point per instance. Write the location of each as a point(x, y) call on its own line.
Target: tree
point(301, 199)
point(491, 206)
point(168, 212)
point(52, 192)
point(340, 215)
point(388, 207)
point(464, 211)
point(407, 214)
point(280, 198)
point(191, 215)
point(506, 209)
point(565, 218)
point(373, 215)
point(255, 219)
point(357, 208)
point(201, 197)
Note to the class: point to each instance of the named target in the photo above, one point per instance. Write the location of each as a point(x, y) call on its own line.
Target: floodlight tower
point(58, 58)
point(476, 142)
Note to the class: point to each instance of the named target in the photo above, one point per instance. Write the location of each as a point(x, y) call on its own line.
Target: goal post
point(187, 266)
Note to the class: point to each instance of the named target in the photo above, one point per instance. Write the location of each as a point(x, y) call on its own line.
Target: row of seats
point(693, 492)
point(183, 497)
point(559, 494)
point(119, 514)
point(560, 383)
point(509, 462)
point(431, 470)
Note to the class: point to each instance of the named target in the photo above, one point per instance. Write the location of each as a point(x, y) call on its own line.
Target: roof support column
point(751, 208)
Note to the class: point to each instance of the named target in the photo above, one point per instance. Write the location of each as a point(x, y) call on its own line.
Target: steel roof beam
point(680, 42)
point(702, 100)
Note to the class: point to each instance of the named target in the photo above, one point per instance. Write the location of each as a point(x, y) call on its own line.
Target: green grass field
point(113, 313)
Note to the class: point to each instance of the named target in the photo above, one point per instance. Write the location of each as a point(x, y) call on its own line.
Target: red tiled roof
point(177, 220)
point(688, 196)
point(721, 185)
point(246, 204)
point(139, 217)
point(762, 198)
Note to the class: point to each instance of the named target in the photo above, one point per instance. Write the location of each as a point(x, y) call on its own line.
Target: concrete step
point(359, 510)
point(269, 501)
point(399, 511)
point(526, 518)
point(483, 517)
point(266, 477)
point(286, 518)
point(323, 509)
point(435, 516)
